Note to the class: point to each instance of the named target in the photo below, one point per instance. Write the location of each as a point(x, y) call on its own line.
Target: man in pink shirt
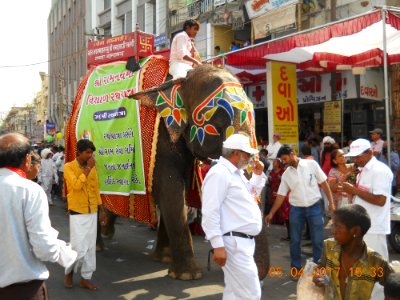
point(183, 55)
point(377, 142)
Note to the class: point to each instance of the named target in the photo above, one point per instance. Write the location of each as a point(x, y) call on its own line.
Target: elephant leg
point(261, 254)
point(108, 228)
point(162, 251)
point(173, 213)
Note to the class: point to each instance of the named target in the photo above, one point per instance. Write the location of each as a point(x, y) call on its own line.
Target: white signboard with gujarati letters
point(372, 85)
point(317, 88)
point(258, 95)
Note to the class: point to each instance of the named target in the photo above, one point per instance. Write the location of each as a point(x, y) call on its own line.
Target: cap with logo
point(358, 146)
point(239, 142)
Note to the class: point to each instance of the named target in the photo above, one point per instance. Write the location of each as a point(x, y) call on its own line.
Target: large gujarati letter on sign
point(282, 102)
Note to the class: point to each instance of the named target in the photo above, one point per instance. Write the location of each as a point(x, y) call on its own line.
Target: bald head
point(14, 150)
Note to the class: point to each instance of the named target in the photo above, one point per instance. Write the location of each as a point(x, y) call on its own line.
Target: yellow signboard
point(333, 116)
point(282, 103)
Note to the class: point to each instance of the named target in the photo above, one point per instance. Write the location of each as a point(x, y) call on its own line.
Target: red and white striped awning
point(352, 43)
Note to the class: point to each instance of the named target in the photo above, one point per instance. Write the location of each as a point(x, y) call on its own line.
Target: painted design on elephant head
point(227, 96)
point(174, 110)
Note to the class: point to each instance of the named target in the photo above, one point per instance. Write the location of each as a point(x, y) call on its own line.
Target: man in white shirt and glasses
point(231, 216)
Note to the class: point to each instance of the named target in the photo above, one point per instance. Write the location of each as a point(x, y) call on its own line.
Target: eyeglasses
point(251, 155)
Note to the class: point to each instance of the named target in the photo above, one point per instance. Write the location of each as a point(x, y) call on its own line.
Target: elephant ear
point(169, 105)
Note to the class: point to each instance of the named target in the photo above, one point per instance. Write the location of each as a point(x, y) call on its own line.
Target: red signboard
point(119, 47)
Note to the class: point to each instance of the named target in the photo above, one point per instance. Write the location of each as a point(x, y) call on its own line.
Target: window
point(107, 4)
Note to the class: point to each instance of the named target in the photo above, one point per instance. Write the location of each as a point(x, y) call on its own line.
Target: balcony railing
point(193, 10)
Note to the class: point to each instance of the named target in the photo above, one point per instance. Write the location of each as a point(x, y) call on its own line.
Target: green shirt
point(370, 268)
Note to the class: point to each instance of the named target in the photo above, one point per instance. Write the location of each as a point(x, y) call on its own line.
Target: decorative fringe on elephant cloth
point(138, 207)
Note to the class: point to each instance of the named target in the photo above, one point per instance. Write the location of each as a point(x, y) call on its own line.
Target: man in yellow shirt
point(83, 197)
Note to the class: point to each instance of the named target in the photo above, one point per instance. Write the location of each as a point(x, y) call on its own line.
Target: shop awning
point(349, 44)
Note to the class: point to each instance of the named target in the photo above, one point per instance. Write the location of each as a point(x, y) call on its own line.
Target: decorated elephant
point(187, 119)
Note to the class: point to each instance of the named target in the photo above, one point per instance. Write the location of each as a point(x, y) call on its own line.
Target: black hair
point(84, 144)
point(354, 215)
point(190, 23)
point(333, 156)
point(306, 150)
point(35, 158)
point(13, 154)
point(264, 151)
point(392, 286)
point(217, 48)
point(284, 150)
point(61, 148)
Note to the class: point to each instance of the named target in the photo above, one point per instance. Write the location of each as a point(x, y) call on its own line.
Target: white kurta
point(47, 176)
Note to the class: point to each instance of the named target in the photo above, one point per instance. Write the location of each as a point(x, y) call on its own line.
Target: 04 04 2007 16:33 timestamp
point(277, 271)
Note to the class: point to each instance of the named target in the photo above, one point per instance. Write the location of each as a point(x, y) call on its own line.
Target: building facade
point(68, 30)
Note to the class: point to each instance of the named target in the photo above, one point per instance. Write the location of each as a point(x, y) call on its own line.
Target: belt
point(71, 212)
point(238, 234)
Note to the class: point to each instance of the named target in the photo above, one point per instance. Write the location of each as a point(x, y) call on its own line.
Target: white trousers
point(378, 243)
point(240, 270)
point(83, 233)
point(179, 69)
point(47, 185)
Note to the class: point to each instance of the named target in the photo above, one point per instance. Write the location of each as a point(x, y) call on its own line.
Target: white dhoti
point(47, 184)
point(83, 232)
point(179, 69)
point(240, 270)
point(378, 243)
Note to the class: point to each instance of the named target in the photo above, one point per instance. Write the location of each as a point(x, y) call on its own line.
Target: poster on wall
point(282, 101)
point(332, 116)
point(111, 121)
point(257, 8)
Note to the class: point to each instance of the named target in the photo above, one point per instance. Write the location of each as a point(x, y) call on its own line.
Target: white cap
point(239, 142)
point(358, 146)
point(45, 152)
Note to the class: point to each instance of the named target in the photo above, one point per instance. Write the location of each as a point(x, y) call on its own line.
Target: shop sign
point(372, 85)
point(229, 15)
point(120, 47)
point(282, 102)
point(160, 40)
point(257, 95)
point(315, 89)
point(273, 20)
point(332, 116)
point(222, 2)
point(257, 8)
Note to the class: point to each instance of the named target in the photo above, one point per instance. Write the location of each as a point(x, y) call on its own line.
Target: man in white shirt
point(27, 238)
point(302, 179)
point(372, 191)
point(231, 216)
point(274, 147)
point(183, 55)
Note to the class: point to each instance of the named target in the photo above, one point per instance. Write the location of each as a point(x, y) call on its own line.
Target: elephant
point(197, 114)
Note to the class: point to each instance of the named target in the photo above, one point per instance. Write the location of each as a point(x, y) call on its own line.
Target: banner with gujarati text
point(111, 121)
point(282, 103)
point(333, 116)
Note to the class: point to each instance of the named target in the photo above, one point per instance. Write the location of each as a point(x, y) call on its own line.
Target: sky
point(23, 26)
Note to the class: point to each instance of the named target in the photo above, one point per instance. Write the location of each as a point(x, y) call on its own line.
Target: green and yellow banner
point(111, 121)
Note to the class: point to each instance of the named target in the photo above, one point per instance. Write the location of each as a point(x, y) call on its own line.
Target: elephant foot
point(163, 255)
point(190, 275)
point(108, 231)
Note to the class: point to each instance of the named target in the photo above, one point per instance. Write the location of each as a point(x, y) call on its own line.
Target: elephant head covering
point(239, 142)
